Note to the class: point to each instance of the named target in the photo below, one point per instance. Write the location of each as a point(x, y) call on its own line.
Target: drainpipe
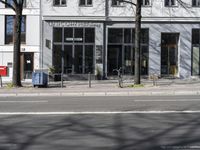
point(41, 37)
point(105, 38)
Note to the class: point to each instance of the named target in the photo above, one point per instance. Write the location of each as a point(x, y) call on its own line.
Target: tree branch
point(125, 1)
point(7, 4)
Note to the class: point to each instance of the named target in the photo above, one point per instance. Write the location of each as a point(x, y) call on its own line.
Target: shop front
point(121, 53)
point(78, 45)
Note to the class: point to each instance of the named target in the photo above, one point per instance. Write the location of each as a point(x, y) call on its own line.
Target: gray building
point(98, 36)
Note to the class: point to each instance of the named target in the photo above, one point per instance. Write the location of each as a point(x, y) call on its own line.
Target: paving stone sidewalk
point(106, 88)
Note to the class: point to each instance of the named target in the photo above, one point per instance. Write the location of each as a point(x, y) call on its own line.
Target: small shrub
point(136, 86)
point(9, 85)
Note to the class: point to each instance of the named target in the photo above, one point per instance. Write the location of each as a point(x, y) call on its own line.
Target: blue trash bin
point(39, 79)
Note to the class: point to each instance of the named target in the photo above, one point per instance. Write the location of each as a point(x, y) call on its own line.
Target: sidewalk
point(107, 88)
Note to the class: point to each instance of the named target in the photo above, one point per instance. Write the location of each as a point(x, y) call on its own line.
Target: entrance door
point(27, 65)
point(114, 58)
point(169, 54)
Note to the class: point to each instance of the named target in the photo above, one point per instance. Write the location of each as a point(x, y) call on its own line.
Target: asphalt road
point(81, 104)
point(150, 123)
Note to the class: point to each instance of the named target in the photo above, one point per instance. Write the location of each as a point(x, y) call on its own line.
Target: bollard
point(154, 80)
point(89, 79)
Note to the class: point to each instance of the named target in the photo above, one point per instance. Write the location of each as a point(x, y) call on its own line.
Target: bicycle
point(119, 74)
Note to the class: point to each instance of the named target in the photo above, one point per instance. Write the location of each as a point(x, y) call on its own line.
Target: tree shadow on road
point(94, 132)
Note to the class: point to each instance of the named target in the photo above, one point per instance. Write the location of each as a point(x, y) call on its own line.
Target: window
point(11, 3)
point(169, 3)
point(85, 2)
point(196, 52)
point(121, 52)
point(145, 2)
point(79, 50)
point(195, 3)
point(59, 2)
point(9, 22)
point(116, 3)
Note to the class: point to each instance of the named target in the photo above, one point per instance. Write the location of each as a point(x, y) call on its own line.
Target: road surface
point(100, 123)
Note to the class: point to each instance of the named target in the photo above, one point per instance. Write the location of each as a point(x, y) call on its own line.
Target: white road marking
point(98, 112)
point(24, 101)
point(168, 100)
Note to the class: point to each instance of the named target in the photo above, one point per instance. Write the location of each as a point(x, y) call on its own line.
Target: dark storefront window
point(196, 52)
point(121, 50)
point(57, 33)
point(68, 59)
point(68, 34)
point(115, 35)
point(78, 50)
point(89, 35)
point(89, 58)
point(57, 58)
point(127, 35)
point(78, 35)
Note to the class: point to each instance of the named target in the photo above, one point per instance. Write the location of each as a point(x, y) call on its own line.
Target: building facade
point(97, 36)
point(30, 45)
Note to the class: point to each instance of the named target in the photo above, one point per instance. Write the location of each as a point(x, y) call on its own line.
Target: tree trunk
point(16, 81)
point(137, 42)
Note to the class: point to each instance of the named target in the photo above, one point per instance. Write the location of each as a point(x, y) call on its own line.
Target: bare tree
point(138, 17)
point(17, 7)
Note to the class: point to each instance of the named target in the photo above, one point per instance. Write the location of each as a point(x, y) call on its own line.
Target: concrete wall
point(157, 10)
point(2, 30)
point(73, 9)
point(47, 53)
point(32, 30)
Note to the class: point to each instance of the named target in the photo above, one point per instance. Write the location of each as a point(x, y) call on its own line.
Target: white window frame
point(60, 3)
point(170, 4)
point(196, 4)
point(118, 4)
point(86, 3)
point(144, 2)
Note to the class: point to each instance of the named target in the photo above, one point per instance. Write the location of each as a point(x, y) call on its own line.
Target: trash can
point(39, 79)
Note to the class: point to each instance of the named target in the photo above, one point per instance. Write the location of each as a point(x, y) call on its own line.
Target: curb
point(79, 94)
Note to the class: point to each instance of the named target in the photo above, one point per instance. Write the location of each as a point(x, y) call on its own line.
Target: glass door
point(169, 60)
point(27, 65)
point(169, 54)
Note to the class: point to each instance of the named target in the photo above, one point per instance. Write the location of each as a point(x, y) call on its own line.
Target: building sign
point(99, 54)
point(73, 24)
point(74, 39)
